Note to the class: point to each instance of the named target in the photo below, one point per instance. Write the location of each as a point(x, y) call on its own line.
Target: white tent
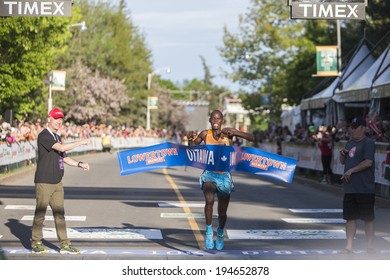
point(291, 117)
point(357, 66)
point(360, 61)
point(381, 85)
point(318, 100)
point(361, 88)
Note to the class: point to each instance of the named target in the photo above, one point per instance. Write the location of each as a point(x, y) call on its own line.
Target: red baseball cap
point(56, 113)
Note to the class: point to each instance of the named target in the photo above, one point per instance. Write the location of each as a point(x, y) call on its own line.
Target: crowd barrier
point(308, 156)
point(17, 155)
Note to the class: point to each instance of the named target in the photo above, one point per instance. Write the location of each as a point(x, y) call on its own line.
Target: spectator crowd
point(27, 131)
point(379, 130)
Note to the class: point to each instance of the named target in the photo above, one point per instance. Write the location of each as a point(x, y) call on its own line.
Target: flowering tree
point(93, 97)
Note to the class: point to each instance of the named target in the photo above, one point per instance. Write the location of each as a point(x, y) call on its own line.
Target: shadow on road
point(23, 233)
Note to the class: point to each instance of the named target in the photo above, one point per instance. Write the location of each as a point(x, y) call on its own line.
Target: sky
point(178, 32)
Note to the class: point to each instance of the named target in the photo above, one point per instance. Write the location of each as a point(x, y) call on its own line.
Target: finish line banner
point(207, 157)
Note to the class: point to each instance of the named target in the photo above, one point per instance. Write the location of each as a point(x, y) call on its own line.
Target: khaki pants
point(53, 195)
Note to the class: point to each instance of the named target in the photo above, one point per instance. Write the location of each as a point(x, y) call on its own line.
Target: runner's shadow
point(23, 233)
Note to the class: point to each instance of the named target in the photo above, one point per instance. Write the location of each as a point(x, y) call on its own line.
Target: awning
point(346, 90)
point(381, 86)
point(318, 101)
point(381, 91)
point(360, 90)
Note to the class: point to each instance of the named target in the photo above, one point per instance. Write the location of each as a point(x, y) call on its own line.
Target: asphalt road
point(159, 215)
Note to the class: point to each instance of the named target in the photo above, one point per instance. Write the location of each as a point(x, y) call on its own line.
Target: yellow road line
point(193, 224)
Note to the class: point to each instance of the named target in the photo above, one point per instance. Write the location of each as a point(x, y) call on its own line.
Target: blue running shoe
point(219, 242)
point(209, 243)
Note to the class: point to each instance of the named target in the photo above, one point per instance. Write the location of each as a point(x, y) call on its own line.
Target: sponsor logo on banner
point(207, 157)
point(153, 102)
point(152, 157)
point(330, 9)
point(263, 163)
point(327, 57)
point(58, 80)
point(36, 8)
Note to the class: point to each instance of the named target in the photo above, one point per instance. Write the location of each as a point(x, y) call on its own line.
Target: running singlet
point(223, 141)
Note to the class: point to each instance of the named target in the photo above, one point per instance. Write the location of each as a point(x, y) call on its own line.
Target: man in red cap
point(48, 182)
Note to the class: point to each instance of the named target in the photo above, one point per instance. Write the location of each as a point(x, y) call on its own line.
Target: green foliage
point(112, 46)
point(167, 84)
point(28, 46)
point(274, 54)
point(377, 22)
point(270, 53)
point(261, 54)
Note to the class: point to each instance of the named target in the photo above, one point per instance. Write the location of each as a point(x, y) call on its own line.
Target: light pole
point(50, 100)
point(150, 77)
point(339, 63)
point(83, 27)
point(221, 96)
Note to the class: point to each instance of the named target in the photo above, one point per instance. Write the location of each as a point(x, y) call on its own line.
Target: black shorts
point(359, 206)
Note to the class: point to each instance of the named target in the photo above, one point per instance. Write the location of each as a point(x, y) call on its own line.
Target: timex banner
point(36, 8)
point(328, 9)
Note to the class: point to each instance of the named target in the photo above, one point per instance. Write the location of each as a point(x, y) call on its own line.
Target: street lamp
point(50, 100)
point(82, 25)
point(221, 96)
point(339, 64)
point(150, 77)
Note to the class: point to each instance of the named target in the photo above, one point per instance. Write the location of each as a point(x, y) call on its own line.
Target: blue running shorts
point(223, 182)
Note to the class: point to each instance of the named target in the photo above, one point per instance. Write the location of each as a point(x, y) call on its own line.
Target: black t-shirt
point(50, 167)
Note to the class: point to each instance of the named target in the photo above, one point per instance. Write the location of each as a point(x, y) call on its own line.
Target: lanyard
point(56, 137)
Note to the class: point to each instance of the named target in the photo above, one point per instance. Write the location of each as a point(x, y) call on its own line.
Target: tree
point(208, 77)
point(377, 22)
point(113, 46)
point(93, 97)
point(276, 55)
point(28, 46)
point(169, 114)
point(267, 41)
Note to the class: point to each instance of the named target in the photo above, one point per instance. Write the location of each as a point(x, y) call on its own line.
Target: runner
point(219, 183)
